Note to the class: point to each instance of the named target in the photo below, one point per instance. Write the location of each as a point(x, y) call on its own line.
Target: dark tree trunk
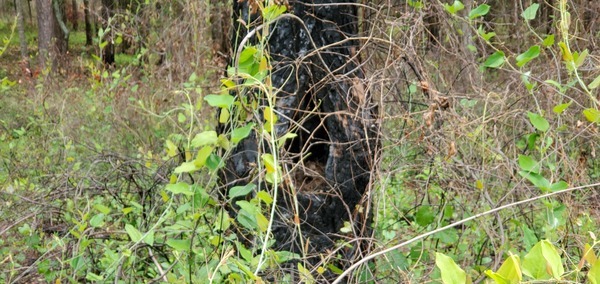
point(108, 53)
point(330, 162)
point(30, 12)
point(219, 23)
point(88, 25)
point(74, 15)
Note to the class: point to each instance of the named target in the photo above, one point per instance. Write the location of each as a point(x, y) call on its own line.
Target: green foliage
point(110, 177)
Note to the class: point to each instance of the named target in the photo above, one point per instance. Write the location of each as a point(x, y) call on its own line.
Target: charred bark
point(329, 164)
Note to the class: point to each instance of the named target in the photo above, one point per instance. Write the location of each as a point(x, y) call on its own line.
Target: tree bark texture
point(315, 64)
point(74, 15)
point(89, 29)
point(51, 38)
point(108, 53)
point(21, 28)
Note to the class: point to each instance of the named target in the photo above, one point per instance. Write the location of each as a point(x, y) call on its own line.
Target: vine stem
point(422, 236)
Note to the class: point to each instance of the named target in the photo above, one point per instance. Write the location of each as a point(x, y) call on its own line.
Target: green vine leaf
point(509, 273)
point(538, 121)
point(222, 101)
point(592, 115)
point(180, 188)
point(543, 262)
point(451, 272)
point(480, 11)
point(495, 60)
point(241, 132)
point(133, 233)
point(205, 138)
point(528, 55)
point(530, 12)
point(454, 8)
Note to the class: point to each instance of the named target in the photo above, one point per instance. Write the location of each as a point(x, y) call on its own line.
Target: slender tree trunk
point(45, 32)
point(323, 100)
point(88, 25)
point(219, 23)
point(30, 12)
point(52, 41)
point(108, 53)
point(21, 28)
point(74, 15)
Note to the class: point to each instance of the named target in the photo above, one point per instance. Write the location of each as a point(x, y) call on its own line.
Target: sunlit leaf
point(273, 11)
point(543, 262)
point(102, 208)
point(480, 11)
point(180, 188)
point(179, 245)
point(202, 156)
point(205, 138)
point(224, 115)
point(455, 7)
point(171, 148)
point(566, 53)
point(580, 57)
point(530, 12)
point(451, 272)
point(269, 162)
point(185, 167)
point(508, 273)
point(538, 121)
point(561, 185)
point(536, 179)
point(97, 220)
point(485, 35)
point(241, 132)
point(594, 84)
point(247, 53)
point(495, 60)
point(529, 164)
point(592, 115)
point(594, 273)
point(222, 101)
point(548, 41)
point(133, 233)
point(559, 109)
point(589, 255)
point(241, 190)
point(528, 55)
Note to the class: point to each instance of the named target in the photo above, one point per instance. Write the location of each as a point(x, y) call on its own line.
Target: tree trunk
point(108, 53)
point(52, 41)
point(21, 28)
point(74, 15)
point(219, 23)
point(327, 167)
point(88, 25)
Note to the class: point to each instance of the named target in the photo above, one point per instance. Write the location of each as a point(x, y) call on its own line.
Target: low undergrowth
point(109, 174)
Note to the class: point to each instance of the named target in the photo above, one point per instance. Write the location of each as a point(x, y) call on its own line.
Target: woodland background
point(481, 104)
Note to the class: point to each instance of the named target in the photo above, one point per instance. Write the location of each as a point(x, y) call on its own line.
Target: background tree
point(52, 39)
point(22, 39)
point(89, 28)
point(108, 51)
